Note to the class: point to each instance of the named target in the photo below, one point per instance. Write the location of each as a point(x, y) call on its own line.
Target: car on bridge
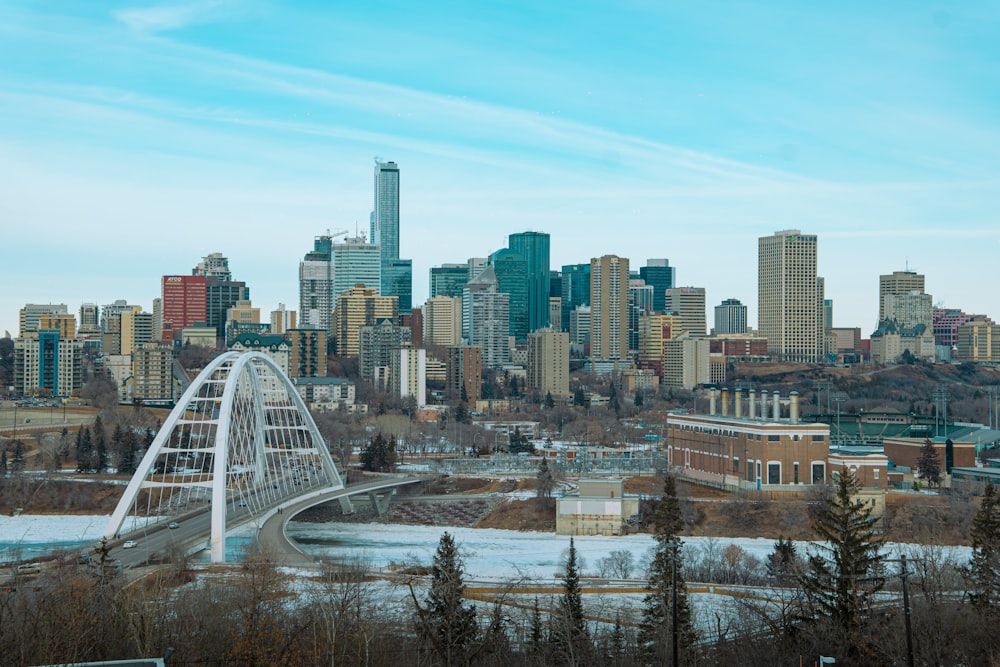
point(173, 524)
point(130, 544)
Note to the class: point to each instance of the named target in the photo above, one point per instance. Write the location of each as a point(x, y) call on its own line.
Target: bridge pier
point(345, 505)
point(381, 504)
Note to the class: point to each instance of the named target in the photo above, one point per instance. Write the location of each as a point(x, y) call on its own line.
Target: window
point(818, 438)
point(818, 473)
point(773, 438)
point(774, 473)
point(875, 474)
point(795, 473)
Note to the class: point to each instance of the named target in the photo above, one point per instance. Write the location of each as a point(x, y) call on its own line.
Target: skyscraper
point(689, 303)
point(400, 283)
point(640, 302)
point(316, 280)
point(485, 318)
point(789, 296)
point(510, 269)
point(609, 307)
point(730, 318)
point(575, 280)
point(534, 248)
point(185, 302)
point(356, 262)
point(449, 279)
point(661, 276)
point(897, 282)
point(385, 216)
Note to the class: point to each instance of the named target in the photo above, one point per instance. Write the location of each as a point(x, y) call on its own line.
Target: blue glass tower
point(661, 276)
point(534, 248)
point(575, 289)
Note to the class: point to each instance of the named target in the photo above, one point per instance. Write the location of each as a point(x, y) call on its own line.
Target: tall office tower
point(654, 332)
point(689, 303)
point(244, 317)
point(548, 362)
point(215, 265)
point(89, 313)
point(136, 330)
point(579, 325)
point(897, 282)
point(449, 279)
point(443, 321)
point(46, 363)
point(789, 300)
point(476, 266)
point(360, 307)
point(400, 277)
point(555, 286)
point(640, 302)
point(827, 313)
point(534, 247)
point(158, 318)
point(409, 374)
point(282, 320)
point(946, 322)
point(29, 315)
point(377, 343)
point(575, 289)
point(661, 276)
point(152, 368)
point(307, 356)
point(113, 310)
point(465, 373)
point(221, 295)
point(609, 308)
point(730, 318)
point(510, 269)
point(385, 216)
point(356, 262)
point(415, 320)
point(185, 302)
point(486, 318)
point(911, 309)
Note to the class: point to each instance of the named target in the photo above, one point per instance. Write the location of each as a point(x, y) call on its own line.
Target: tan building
point(790, 296)
point(465, 372)
point(46, 364)
point(274, 346)
point(243, 312)
point(307, 357)
point(199, 336)
point(358, 307)
point(64, 323)
point(686, 362)
point(843, 339)
point(897, 282)
point(870, 470)
point(609, 307)
point(136, 330)
point(282, 320)
point(152, 373)
point(654, 332)
point(548, 362)
point(29, 316)
point(442, 319)
point(600, 508)
point(978, 341)
point(632, 381)
point(752, 451)
point(905, 452)
point(689, 303)
point(555, 312)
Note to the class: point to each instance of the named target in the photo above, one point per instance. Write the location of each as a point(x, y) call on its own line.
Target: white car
point(130, 544)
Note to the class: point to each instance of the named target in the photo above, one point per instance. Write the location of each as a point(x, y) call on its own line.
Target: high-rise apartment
point(789, 296)
point(730, 318)
point(609, 307)
point(282, 319)
point(443, 321)
point(897, 282)
point(45, 363)
point(486, 317)
point(640, 302)
point(316, 280)
point(215, 265)
point(377, 344)
point(661, 276)
point(385, 216)
point(449, 279)
point(29, 315)
point(465, 372)
point(307, 357)
point(359, 307)
point(548, 362)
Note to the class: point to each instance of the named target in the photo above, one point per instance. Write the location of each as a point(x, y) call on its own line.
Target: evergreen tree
point(639, 400)
point(549, 401)
point(16, 464)
point(983, 571)
point(545, 479)
point(570, 636)
point(843, 579)
point(461, 413)
point(85, 452)
point(665, 585)
point(929, 465)
point(783, 561)
point(3, 463)
point(578, 397)
point(127, 456)
point(613, 401)
point(100, 455)
point(446, 623)
point(379, 455)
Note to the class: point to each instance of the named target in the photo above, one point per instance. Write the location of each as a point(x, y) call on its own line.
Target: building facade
point(534, 248)
point(358, 307)
point(152, 374)
point(486, 318)
point(378, 344)
point(661, 276)
point(730, 318)
point(897, 282)
point(442, 321)
point(575, 284)
point(790, 296)
point(548, 362)
point(689, 303)
point(609, 276)
point(307, 355)
point(316, 280)
point(45, 364)
point(185, 304)
point(465, 373)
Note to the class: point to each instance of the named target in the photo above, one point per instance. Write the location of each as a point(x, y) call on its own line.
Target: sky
point(137, 137)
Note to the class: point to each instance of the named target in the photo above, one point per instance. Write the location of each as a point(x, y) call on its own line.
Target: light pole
point(839, 398)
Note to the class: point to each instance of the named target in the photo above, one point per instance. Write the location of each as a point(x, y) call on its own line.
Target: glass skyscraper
point(575, 289)
point(534, 248)
point(661, 276)
point(396, 274)
point(511, 269)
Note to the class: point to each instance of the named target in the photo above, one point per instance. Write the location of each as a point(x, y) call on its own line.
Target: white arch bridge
point(239, 444)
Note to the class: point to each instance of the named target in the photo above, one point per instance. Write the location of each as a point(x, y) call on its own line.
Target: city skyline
point(135, 141)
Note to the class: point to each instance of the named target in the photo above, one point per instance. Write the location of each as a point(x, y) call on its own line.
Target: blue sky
point(136, 138)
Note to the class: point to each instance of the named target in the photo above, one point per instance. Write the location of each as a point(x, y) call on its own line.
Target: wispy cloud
point(160, 18)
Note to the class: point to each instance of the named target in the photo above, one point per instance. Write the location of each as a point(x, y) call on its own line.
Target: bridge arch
point(239, 443)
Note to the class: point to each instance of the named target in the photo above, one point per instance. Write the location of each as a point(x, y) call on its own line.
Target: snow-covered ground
point(33, 535)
